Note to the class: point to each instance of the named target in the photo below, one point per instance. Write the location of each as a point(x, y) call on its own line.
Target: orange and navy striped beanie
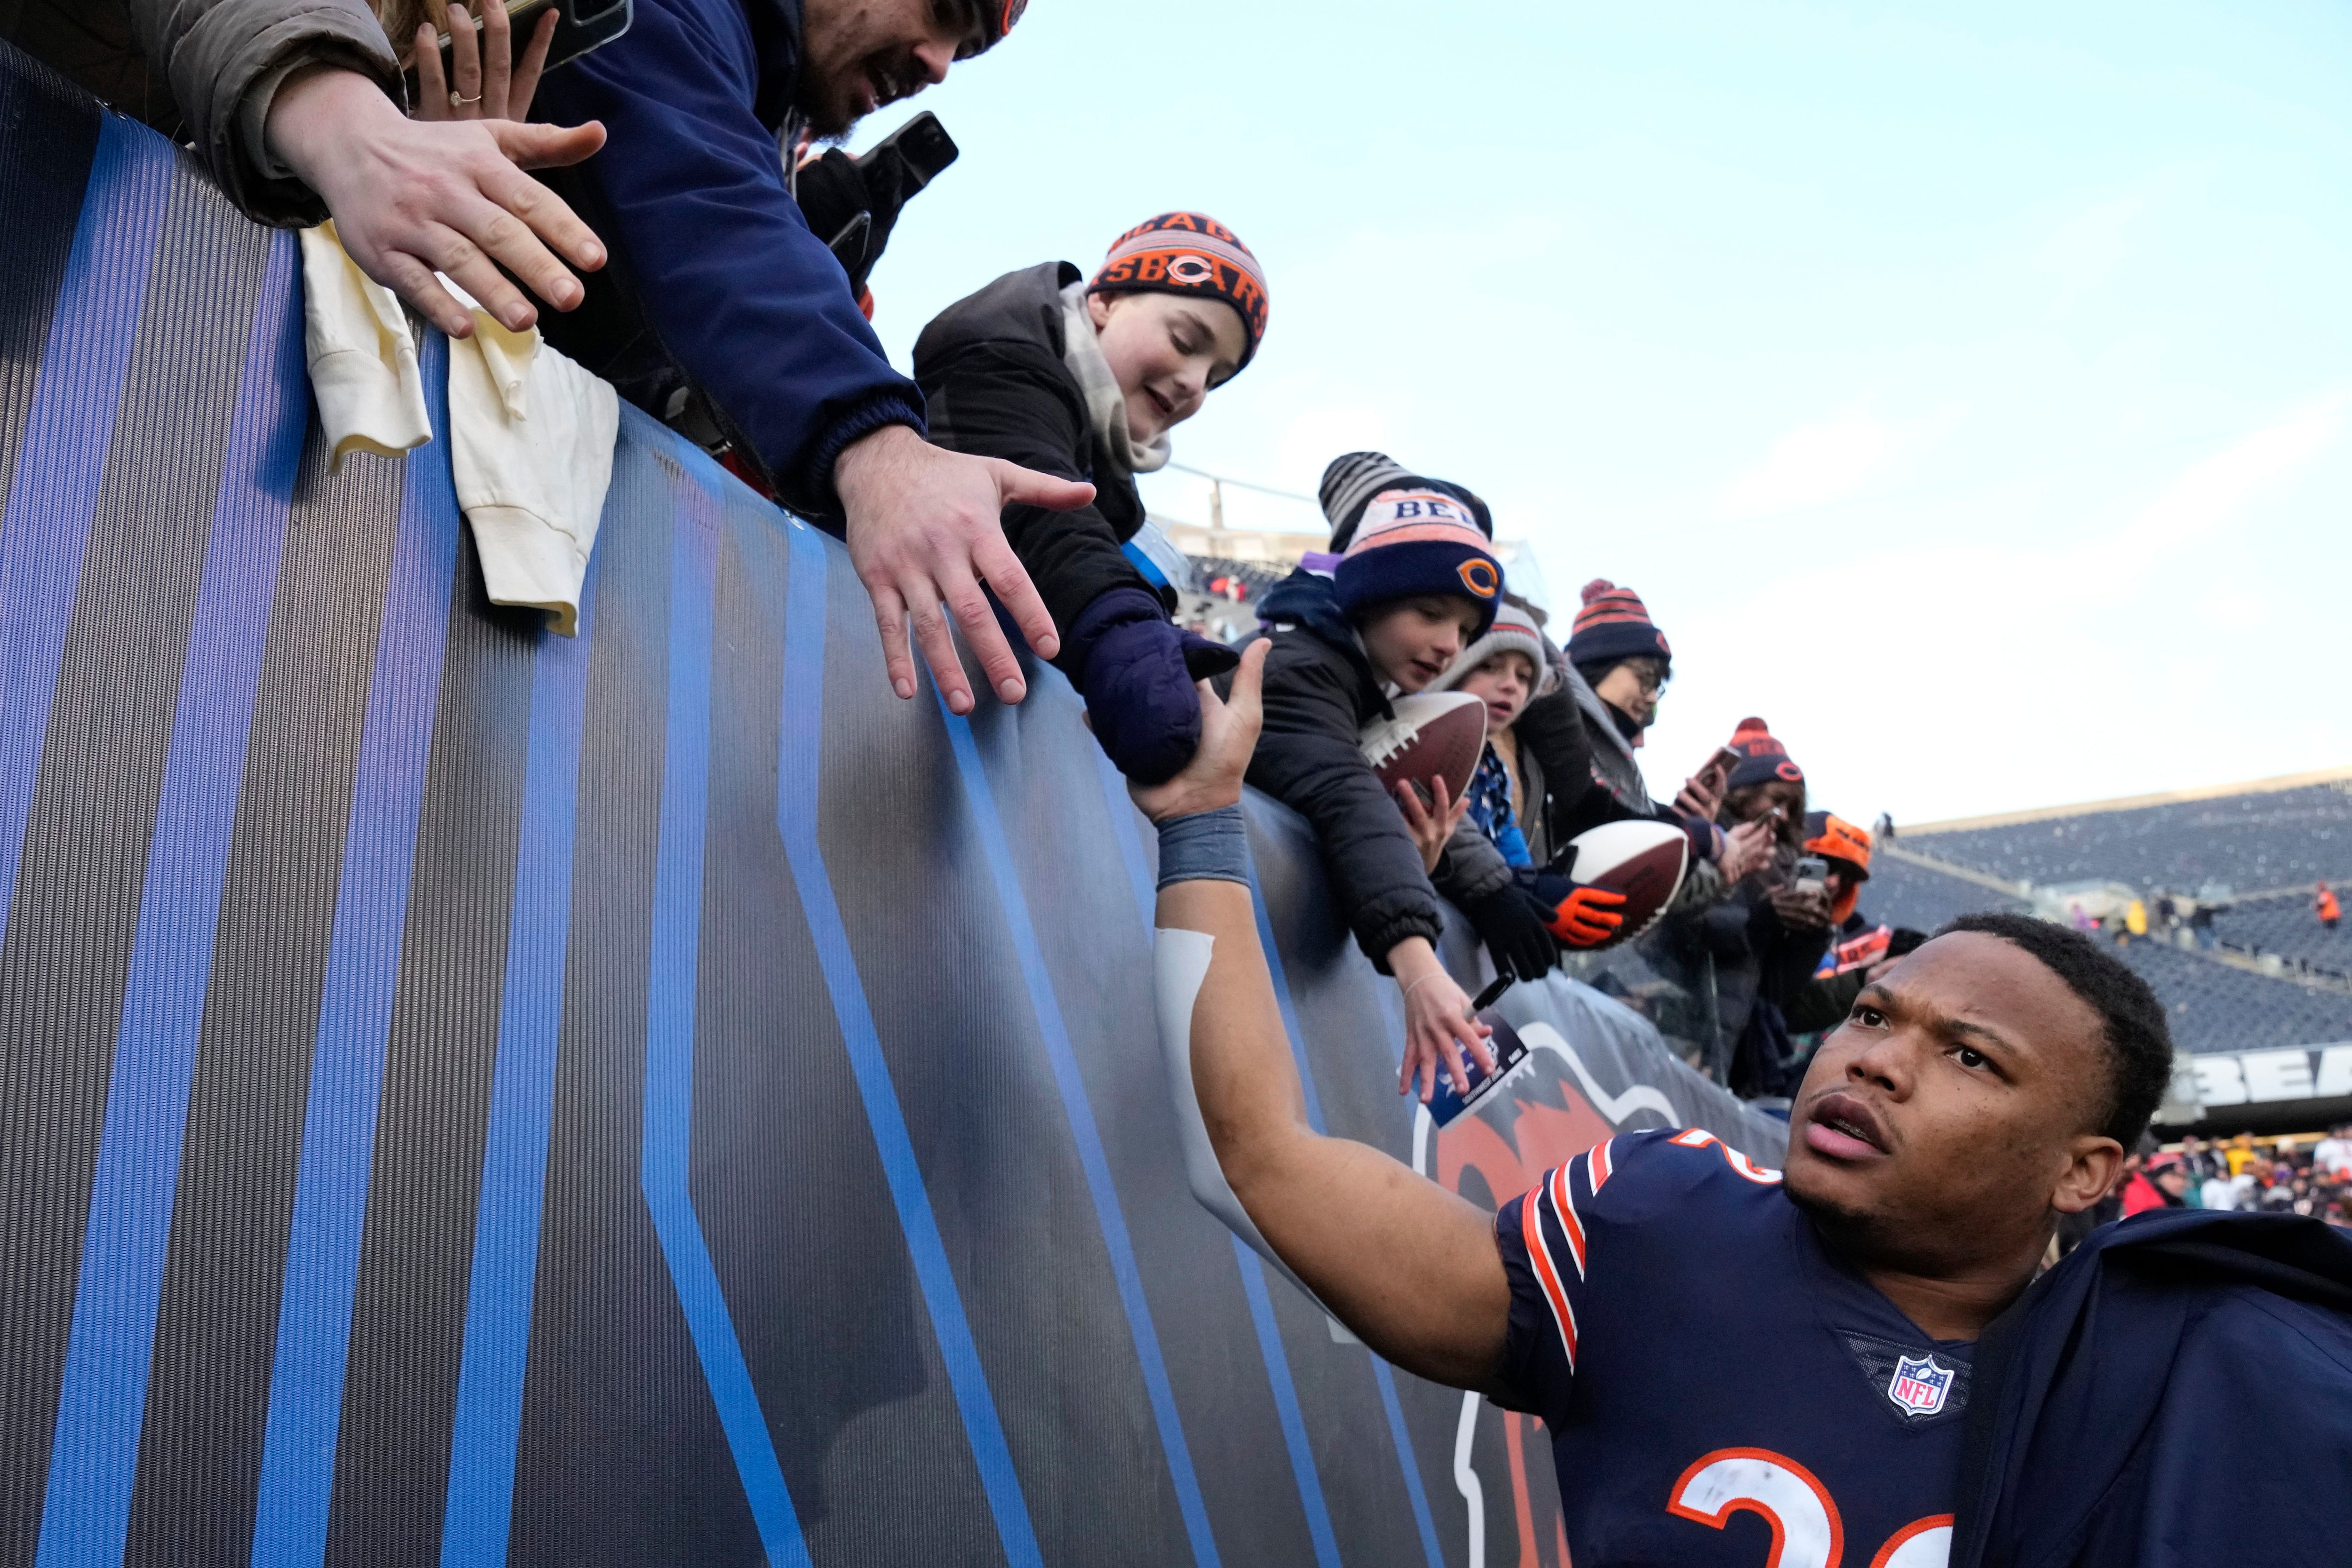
point(1418, 542)
point(1187, 254)
point(1762, 759)
point(1614, 624)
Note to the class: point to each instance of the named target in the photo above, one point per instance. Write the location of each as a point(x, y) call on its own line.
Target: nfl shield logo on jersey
point(1919, 1385)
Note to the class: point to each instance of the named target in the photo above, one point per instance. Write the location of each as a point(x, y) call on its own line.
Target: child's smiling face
point(1169, 351)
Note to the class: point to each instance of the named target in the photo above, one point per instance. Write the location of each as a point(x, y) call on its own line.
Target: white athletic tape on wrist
point(1179, 965)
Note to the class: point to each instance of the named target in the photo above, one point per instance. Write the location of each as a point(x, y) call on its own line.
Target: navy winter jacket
point(1320, 692)
point(690, 193)
point(2177, 1393)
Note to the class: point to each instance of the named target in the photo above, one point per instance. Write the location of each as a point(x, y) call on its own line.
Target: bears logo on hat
point(1763, 758)
point(1192, 254)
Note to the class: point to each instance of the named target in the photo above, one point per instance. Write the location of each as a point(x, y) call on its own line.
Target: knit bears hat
point(1762, 759)
point(1193, 254)
point(1513, 631)
point(1614, 624)
point(1414, 542)
point(1353, 479)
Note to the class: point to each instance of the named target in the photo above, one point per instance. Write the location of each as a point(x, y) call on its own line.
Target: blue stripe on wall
point(1303, 1473)
point(665, 1167)
point(1413, 1490)
point(796, 821)
point(488, 1425)
point(1415, 1493)
point(95, 1454)
point(61, 462)
point(1286, 1405)
point(323, 1253)
point(1047, 1007)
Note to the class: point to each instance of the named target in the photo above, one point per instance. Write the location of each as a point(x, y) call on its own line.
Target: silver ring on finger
point(457, 102)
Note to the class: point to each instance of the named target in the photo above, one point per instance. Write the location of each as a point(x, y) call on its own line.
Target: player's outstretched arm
point(1410, 1267)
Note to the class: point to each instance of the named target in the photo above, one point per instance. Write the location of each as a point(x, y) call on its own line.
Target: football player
point(1737, 1365)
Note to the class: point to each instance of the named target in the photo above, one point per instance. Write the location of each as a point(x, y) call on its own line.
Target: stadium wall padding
point(470, 1096)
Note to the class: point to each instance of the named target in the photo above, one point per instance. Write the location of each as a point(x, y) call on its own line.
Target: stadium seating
point(2286, 926)
point(2270, 839)
point(2214, 1006)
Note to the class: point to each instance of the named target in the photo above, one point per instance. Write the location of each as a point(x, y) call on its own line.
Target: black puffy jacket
point(1320, 692)
point(991, 372)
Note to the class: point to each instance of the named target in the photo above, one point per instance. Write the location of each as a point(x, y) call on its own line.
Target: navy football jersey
point(1720, 1388)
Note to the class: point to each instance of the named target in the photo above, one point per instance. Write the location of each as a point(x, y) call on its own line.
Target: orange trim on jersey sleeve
point(1547, 1274)
point(1597, 1164)
point(1563, 1204)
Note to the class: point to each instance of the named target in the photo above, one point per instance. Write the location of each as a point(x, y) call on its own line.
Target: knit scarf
point(1105, 405)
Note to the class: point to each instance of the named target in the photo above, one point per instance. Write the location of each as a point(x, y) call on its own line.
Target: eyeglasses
point(1651, 680)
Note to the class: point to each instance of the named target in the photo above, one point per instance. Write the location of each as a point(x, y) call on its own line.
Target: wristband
point(1206, 846)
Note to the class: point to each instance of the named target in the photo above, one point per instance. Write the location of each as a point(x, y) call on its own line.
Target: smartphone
point(1511, 1054)
point(1812, 874)
point(1716, 777)
point(581, 26)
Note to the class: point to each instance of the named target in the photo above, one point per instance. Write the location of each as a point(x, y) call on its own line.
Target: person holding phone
point(1763, 935)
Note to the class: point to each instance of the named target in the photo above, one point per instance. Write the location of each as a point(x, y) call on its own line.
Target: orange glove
point(1583, 918)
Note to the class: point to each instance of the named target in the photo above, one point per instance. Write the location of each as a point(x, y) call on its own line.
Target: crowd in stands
point(2242, 1173)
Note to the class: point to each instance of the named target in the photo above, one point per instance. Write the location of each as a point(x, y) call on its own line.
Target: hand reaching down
point(1438, 1027)
point(925, 530)
point(410, 197)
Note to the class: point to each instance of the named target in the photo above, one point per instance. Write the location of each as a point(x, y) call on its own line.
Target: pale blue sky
point(1968, 388)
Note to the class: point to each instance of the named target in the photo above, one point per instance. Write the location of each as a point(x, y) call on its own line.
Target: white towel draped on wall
point(530, 433)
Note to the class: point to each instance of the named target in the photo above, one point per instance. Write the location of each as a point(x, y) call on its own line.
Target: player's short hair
point(2139, 1043)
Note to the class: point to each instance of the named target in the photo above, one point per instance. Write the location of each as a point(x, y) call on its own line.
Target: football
point(1435, 735)
point(1644, 860)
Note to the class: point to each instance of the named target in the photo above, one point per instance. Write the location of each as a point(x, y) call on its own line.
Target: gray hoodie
point(226, 60)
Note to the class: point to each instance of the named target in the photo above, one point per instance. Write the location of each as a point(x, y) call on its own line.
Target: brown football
point(1644, 860)
point(1434, 734)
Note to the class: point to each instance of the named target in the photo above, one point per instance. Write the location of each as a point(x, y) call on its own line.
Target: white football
point(1434, 734)
point(1644, 860)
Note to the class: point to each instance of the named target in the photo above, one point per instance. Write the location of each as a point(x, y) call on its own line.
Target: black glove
point(1510, 921)
point(1137, 670)
point(852, 202)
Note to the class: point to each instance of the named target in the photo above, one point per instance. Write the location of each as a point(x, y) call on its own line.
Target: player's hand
point(1438, 1026)
point(1432, 825)
point(926, 529)
point(1747, 847)
point(410, 198)
point(488, 82)
point(1212, 779)
point(1584, 918)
